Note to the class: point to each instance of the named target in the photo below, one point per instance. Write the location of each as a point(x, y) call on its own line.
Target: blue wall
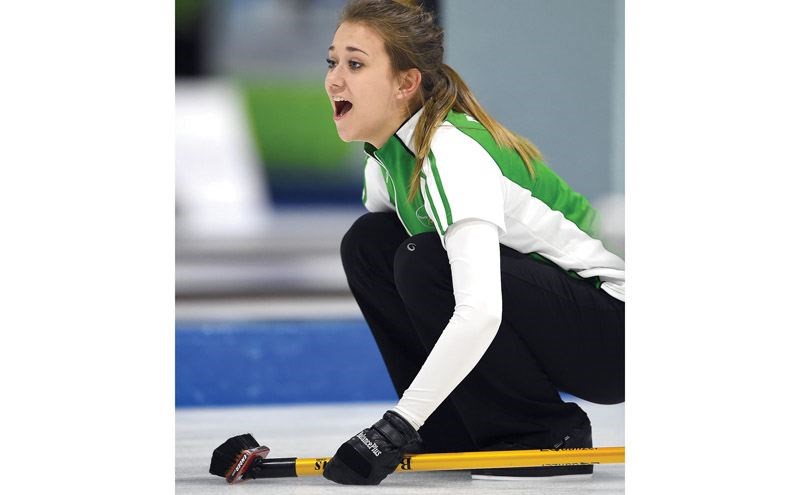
point(271, 362)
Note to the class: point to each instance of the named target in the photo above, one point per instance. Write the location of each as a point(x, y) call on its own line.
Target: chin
point(345, 136)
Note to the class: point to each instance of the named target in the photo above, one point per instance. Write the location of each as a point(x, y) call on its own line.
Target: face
point(362, 87)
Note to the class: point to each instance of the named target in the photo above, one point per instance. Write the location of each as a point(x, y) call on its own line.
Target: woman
point(475, 267)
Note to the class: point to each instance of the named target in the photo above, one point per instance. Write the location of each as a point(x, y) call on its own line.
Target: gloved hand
point(374, 453)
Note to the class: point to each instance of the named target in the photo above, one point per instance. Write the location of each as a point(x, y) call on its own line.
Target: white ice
point(318, 430)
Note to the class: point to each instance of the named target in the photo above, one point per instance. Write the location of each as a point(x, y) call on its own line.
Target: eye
point(331, 63)
point(355, 65)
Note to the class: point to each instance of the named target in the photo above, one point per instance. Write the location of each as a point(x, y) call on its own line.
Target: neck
point(392, 125)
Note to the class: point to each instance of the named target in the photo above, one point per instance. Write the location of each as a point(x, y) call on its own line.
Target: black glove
point(373, 454)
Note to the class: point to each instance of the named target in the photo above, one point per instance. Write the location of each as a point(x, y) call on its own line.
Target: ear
point(408, 83)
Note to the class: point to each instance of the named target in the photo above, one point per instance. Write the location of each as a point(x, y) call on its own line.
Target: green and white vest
point(468, 176)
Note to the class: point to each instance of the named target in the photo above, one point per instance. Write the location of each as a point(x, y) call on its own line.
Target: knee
point(364, 229)
point(366, 237)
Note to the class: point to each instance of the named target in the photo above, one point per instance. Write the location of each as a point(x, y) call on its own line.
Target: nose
point(334, 80)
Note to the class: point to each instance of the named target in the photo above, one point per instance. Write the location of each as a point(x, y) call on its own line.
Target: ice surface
point(318, 430)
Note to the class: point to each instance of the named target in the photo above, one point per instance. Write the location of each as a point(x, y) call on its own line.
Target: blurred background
point(265, 189)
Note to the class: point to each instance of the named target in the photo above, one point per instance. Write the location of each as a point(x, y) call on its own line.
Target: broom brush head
point(232, 459)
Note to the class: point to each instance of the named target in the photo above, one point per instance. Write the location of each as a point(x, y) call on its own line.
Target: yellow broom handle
point(485, 460)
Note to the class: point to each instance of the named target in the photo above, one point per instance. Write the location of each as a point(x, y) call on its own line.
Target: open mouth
point(342, 107)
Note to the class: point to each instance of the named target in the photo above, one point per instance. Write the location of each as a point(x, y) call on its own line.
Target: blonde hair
point(413, 40)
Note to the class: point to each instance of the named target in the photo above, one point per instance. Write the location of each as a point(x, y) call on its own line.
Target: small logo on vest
point(422, 216)
point(411, 246)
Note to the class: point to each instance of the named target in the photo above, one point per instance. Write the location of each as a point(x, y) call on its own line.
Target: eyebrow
point(351, 49)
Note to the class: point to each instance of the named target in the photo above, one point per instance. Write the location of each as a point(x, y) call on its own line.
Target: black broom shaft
point(279, 467)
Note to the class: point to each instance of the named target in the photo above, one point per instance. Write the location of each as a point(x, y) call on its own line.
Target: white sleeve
point(375, 195)
point(474, 253)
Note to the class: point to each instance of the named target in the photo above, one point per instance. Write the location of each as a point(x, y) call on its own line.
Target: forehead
point(358, 35)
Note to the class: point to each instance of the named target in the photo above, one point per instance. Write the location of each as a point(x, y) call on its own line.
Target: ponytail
point(451, 92)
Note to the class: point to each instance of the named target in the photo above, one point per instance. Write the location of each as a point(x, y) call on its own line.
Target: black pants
point(557, 334)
